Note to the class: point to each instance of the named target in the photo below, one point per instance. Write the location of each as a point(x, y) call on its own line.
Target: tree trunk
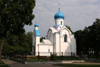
point(1, 47)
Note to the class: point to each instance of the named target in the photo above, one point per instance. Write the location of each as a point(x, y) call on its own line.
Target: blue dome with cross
point(59, 15)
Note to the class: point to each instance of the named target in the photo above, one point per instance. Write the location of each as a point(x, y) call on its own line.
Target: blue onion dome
point(36, 25)
point(59, 15)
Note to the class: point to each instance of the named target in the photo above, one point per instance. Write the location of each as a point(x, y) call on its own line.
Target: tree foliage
point(14, 15)
point(89, 38)
point(69, 28)
point(41, 39)
point(18, 43)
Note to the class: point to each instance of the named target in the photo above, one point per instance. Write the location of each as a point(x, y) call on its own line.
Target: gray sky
point(78, 14)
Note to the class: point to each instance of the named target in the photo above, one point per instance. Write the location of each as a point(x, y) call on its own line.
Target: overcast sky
point(78, 14)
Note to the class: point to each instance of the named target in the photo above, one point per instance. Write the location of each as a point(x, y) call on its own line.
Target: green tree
point(14, 15)
point(41, 39)
point(89, 38)
point(29, 40)
point(78, 35)
point(95, 35)
point(69, 28)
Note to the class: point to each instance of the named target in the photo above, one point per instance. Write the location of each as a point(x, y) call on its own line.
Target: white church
point(59, 39)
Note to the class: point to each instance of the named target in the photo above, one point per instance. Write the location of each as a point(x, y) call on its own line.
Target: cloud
point(78, 13)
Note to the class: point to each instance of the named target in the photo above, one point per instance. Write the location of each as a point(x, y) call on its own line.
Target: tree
point(89, 38)
point(17, 44)
point(69, 28)
point(29, 40)
point(41, 39)
point(14, 15)
point(78, 35)
point(95, 30)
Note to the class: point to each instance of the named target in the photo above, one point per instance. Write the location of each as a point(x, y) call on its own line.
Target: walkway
point(17, 64)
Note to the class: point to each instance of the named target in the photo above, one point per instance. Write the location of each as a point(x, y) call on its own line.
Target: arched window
point(65, 38)
point(61, 22)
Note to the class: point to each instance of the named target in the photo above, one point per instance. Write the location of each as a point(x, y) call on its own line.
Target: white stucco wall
point(73, 44)
point(70, 45)
point(65, 32)
point(57, 43)
point(50, 36)
point(44, 50)
point(66, 48)
point(58, 22)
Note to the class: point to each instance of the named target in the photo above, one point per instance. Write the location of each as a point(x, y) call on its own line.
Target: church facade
point(59, 39)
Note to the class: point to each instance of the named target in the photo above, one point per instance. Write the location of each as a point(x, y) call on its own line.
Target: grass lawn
point(32, 59)
point(36, 59)
point(4, 66)
point(76, 65)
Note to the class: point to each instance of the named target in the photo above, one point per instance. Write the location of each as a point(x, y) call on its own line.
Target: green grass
point(36, 59)
point(32, 59)
point(76, 65)
point(54, 58)
point(4, 66)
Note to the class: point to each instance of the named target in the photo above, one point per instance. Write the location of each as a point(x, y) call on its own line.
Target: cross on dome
point(59, 7)
point(59, 15)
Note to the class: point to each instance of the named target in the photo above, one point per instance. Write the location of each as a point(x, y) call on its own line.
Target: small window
point(65, 38)
point(61, 22)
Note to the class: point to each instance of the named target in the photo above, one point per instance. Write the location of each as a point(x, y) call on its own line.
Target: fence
point(58, 56)
point(43, 56)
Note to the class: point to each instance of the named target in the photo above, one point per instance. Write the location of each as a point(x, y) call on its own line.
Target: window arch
point(65, 38)
point(61, 22)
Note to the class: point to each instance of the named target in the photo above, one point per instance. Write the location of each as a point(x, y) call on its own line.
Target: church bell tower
point(59, 20)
